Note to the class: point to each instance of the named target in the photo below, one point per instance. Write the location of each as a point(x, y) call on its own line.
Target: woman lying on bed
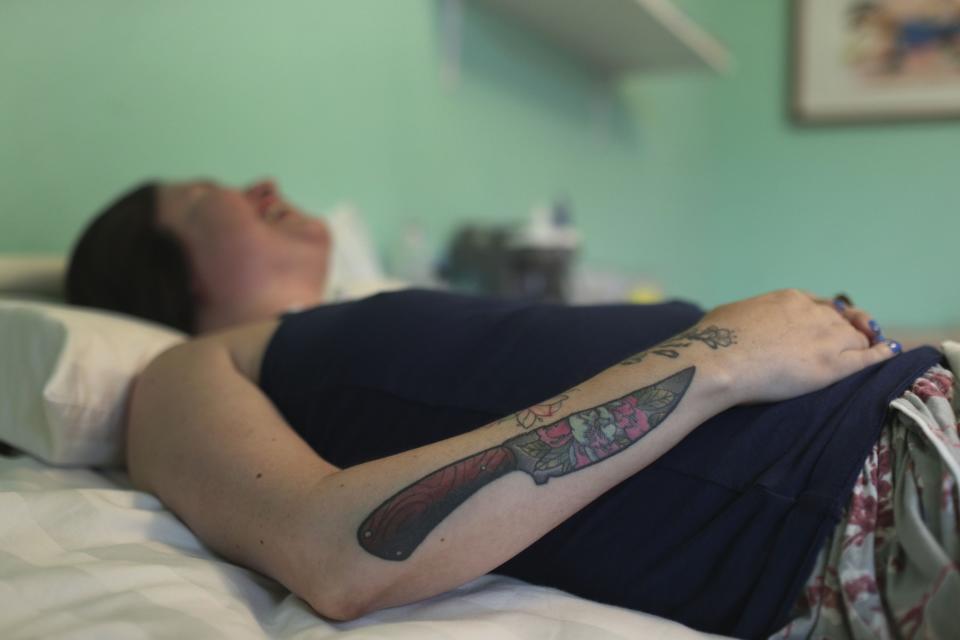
point(371, 453)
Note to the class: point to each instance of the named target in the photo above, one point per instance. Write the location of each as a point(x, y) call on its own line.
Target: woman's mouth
point(275, 212)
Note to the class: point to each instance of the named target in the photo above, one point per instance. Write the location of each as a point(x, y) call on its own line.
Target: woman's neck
point(214, 316)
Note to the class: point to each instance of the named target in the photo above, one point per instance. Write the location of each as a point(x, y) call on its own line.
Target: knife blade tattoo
point(396, 528)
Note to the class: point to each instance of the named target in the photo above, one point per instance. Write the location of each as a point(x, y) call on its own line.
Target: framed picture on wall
point(875, 60)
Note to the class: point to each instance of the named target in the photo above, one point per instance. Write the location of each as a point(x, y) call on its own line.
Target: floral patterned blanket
point(891, 568)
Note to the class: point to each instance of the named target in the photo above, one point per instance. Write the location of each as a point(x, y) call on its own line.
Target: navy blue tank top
point(719, 533)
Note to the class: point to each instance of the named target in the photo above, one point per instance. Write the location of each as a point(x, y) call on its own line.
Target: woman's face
point(240, 241)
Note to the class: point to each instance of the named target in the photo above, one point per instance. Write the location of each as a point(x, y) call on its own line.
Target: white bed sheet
point(82, 555)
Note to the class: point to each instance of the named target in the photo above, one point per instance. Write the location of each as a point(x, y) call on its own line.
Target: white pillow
point(355, 269)
point(65, 377)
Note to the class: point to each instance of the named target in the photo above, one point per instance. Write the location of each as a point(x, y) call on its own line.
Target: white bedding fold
point(84, 556)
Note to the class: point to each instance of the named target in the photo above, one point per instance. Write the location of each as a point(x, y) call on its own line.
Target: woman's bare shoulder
point(246, 344)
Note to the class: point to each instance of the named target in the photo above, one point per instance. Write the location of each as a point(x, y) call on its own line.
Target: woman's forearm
point(418, 523)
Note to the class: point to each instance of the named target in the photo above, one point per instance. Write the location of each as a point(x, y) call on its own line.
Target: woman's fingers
point(856, 359)
point(877, 347)
point(860, 319)
point(854, 337)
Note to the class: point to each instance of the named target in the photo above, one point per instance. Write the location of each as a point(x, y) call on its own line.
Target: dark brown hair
point(125, 262)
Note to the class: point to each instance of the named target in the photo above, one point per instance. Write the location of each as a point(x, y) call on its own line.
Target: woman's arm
point(399, 529)
point(209, 443)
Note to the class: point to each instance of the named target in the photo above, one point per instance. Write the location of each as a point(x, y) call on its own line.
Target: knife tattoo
point(395, 528)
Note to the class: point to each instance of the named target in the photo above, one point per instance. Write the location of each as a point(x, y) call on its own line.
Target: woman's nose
point(262, 189)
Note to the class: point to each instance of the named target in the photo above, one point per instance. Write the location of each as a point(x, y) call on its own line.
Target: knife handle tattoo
point(396, 528)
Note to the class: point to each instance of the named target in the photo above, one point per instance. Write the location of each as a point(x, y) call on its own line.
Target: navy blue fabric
point(720, 533)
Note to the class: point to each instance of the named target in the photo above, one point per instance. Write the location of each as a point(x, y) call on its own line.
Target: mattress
point(84, 555)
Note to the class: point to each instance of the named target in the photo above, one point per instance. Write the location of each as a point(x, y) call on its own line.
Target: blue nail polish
point(874, 327)
point(894, 346)
point(840, 305)
point(880, 337)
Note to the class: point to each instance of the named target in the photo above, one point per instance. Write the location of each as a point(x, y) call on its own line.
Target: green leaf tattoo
point(712, 336)
point(538, 413)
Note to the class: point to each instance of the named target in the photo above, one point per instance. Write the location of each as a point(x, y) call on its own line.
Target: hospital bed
point(85, 555)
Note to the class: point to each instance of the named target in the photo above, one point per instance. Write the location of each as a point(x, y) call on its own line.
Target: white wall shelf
point(619, 37)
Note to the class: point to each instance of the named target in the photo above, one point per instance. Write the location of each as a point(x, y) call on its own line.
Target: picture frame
point(862, 61)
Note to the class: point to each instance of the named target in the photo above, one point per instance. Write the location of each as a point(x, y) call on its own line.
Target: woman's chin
point(316, 231)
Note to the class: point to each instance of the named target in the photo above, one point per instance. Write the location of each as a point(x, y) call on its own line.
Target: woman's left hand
point(790, 342)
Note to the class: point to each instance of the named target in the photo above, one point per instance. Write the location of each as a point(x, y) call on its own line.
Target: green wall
point(339, 99)
point(696, 180)
point(866, 209)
